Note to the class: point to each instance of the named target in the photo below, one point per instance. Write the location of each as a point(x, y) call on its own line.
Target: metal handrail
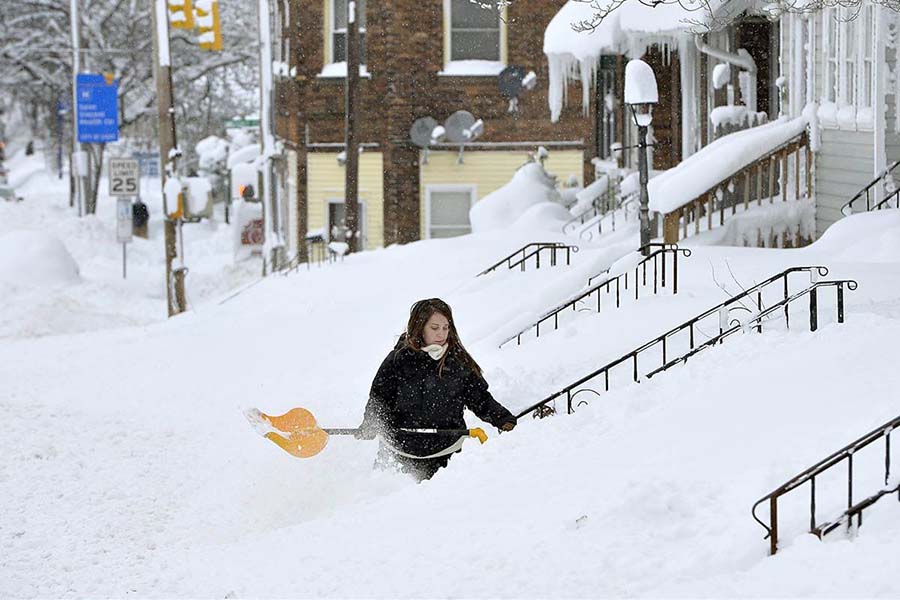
point(629, 200)
point(316, 252)
point(553, 247)
point(847, 208)
point(737, 325)
point(723, 309)
point(809, 475)
point(618, 280)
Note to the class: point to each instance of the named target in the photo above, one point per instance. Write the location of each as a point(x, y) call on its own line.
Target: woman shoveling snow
point(422, 388)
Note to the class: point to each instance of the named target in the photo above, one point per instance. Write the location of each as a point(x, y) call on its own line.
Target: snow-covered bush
point(35, 258)
point(530, 185)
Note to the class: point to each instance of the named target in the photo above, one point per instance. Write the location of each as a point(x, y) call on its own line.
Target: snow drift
point(530, 185)
point(35, 258)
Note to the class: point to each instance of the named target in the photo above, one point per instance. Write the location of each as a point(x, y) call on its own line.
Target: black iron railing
point(727, 325)
point(602, 204)
point(756, 320)
point(655, 263)
point(520, 257)
point(626, 206)
point(809, 475)
point(868, 194)
point(317, 252)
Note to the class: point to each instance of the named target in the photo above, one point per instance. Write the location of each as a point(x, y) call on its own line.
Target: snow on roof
point(701, 171)
point(626, 30)
point(241, 155)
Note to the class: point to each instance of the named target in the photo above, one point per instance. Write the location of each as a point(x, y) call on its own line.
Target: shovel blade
point(295, 432)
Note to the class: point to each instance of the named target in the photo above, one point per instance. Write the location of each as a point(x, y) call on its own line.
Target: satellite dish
point(510, 81)
point(457, 125)
point(420, 132)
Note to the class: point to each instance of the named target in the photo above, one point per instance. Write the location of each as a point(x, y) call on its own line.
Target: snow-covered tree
point(210, 87)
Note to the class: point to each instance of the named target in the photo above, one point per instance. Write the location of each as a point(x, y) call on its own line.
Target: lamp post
point(640, 95)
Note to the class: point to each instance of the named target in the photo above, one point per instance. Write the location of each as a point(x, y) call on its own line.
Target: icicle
point(556, 93)
point(588, 67)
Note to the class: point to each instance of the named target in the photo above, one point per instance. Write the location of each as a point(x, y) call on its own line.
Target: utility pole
point(273, 246)
point(351, 145)
point(167, 152)
point(76, 160)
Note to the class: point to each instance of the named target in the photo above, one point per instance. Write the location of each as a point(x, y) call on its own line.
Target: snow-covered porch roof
point(628, 30)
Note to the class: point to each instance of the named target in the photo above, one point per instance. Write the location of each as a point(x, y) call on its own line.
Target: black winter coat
point(408, 393)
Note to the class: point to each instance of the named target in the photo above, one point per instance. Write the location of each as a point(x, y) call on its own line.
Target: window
point(867, 75)
point(448, 211)
point(831, 30)
point(849, 56)
point(850, 53)
point(474, 32)
point(339, 30)
point(474, 38)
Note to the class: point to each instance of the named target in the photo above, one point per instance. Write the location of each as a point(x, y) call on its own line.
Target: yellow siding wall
point(488, 171)
point(325, 180)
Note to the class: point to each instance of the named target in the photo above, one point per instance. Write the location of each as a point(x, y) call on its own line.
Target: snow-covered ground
point(128, 468)
point(102, 298)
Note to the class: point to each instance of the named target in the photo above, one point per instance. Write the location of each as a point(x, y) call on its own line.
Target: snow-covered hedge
point(35, 258)
point(530, 185)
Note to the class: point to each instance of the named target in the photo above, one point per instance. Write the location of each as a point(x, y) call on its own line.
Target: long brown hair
point(414, 337)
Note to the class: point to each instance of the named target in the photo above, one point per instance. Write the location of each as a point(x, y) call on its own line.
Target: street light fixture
point(640, 96)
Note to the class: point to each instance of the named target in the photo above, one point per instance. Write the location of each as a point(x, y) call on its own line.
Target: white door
point(335, 222)
point(448, 211)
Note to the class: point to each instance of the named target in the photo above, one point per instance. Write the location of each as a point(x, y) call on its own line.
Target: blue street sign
point(98, 109)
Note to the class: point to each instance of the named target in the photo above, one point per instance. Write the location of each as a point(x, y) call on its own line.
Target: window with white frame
point(867, 52)
point(831, 29)
point(475, 32)
point(849, 44)
point(338, 27)
point(448, 210)
point(848, 52)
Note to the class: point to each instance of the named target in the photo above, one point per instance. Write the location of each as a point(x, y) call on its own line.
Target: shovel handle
point(475, 433)
point(340, 431)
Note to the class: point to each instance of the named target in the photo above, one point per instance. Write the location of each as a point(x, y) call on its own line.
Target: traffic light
point(181, 14)
point(209, 27)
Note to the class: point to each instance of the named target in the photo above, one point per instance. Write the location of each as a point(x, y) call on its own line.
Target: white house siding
point(844, 165)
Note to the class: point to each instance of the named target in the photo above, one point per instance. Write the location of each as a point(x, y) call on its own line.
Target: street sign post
point(124, 177)
point(98, 109)
point(124, 227)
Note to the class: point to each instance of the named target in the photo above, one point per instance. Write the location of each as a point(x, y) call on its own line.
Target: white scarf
point(435, 351)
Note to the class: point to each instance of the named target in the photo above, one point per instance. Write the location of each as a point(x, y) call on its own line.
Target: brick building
point(421, 58)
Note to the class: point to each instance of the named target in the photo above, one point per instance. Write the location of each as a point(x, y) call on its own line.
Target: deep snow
point(128, 468)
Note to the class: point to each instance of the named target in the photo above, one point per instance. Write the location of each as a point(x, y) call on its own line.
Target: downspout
point(742, 59)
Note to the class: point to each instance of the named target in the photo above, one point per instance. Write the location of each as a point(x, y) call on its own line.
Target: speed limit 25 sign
point(124, 177)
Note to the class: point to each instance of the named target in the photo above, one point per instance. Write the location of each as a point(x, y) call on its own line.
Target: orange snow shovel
point(297, 433)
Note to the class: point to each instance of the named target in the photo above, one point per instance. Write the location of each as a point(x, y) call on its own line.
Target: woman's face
point(437, 329)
